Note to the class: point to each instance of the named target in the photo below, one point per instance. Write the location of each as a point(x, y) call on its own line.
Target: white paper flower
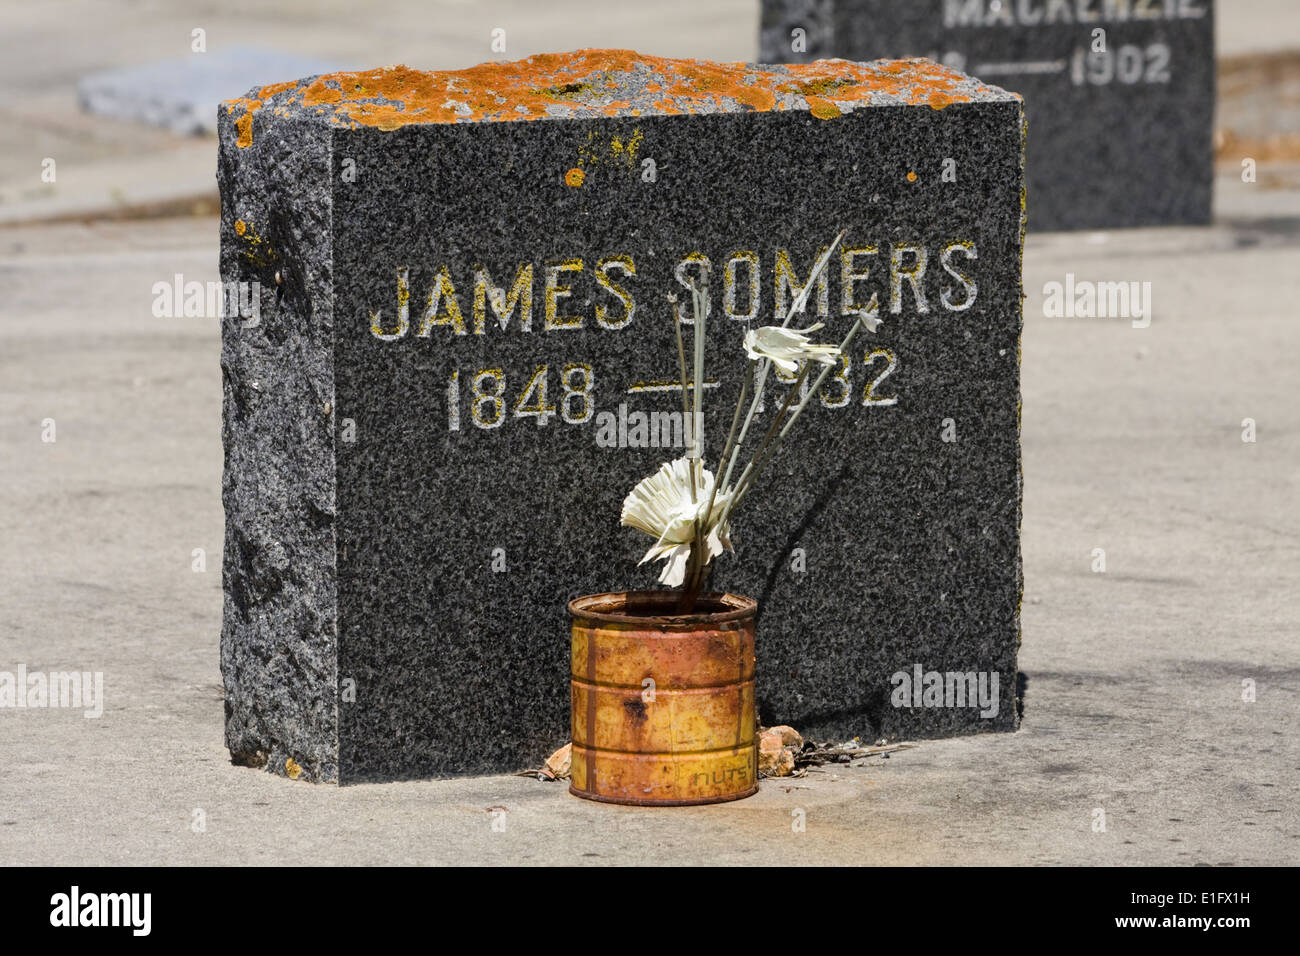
point(787, 347)
point(661, 506)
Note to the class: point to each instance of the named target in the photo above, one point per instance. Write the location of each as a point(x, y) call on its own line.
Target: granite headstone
point(1119, 94)
point(464, 360)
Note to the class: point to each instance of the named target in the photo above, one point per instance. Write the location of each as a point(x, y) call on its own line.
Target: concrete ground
point(1132, 443)
point(1135, 712)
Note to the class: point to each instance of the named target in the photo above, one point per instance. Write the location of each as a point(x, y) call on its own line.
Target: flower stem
point(848, 339)
point(700, 300)
point(750, 474)
point(801, 300)
point(796, 307)
point(844, 348)
point(700, 297)
point(763, 366)
point(717, 478)
point(731, 435)
point(681, 366)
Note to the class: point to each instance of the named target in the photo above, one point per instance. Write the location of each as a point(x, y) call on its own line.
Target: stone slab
point(1116, 139)
point(407, 513)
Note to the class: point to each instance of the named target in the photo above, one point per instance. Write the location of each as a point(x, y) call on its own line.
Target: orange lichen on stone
point(819, 86)
point(274, 88)
point(258, 251)
point(822, 108)
point(323, 94)
point(575, 177)
point(911, 176)
point(591, 83)
point(757, 98)
point(250, 105)
point(245, 127)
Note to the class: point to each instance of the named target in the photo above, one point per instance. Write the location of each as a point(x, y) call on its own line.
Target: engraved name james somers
point(602, 292)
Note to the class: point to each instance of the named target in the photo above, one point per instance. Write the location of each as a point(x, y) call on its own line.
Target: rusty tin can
point(663, 703)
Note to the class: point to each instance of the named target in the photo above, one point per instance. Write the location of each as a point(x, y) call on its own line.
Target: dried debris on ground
point(556, 766)
point(777, 747)
point(782, 752)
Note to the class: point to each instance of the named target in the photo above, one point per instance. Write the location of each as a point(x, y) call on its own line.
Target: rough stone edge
point(286, 99)
point(1020, 686)
point(279, 637)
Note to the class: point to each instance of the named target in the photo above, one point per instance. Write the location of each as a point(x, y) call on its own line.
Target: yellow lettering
point(969, 288)
point(555, 292)
point(434, 313)
point(626, 264)
point(729, 286)
point(503, 303)
point(403, 310)
point(913, 276)
point(701, 262)
point(849, 275)
point(787, 283)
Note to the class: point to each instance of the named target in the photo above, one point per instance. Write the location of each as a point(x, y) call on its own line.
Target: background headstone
point(1116, 138)
point(432, 423)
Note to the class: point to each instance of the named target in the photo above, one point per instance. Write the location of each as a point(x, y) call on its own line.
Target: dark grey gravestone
point(420, 473)
point(1116, 138)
